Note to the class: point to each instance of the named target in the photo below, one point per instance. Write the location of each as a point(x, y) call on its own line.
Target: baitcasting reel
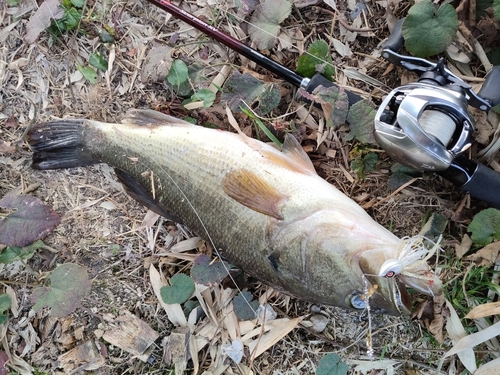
point(427, 125)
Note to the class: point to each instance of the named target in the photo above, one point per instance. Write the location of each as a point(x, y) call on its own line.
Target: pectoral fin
point(137, 191)
point(253, 192)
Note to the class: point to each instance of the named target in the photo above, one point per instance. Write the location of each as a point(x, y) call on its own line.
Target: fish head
point(390, 274)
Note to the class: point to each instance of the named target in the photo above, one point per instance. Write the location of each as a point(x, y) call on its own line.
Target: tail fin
point(59, 144)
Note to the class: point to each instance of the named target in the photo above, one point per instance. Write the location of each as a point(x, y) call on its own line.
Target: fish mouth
point(387, 296)
point(395, 294)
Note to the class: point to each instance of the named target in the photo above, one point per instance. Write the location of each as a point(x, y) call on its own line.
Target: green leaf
point(435, 226)
point(5, 302)
point(3, 319)
point(485, 227)
point(205, 95)
point(361, 118)
point(494, 54)
point(496, 9)
point(12, 253)
point(107, 36)
point(428, 32)
point(269, 99)
point(180, 289)
point(244, 307)
point(317, 59)
point(331, 364)
point(363, 165)
point(72, 18)
point(99, 62)
point(78, 3)
point(334, 103)
point(178, 73)
point(69, 284)
point(265, 22)
point(31, 220)
point(244, 90)
point(207, 273)
point(89, 73)
point(401, 174)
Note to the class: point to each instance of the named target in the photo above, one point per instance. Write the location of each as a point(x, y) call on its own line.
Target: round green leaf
point(5, 302)
point(182, 286)
point(205, 95)
point(485, 227)
point(316, 60)
point(428, 32)
point(331, 364)
point(244, 307)
point(178, 73)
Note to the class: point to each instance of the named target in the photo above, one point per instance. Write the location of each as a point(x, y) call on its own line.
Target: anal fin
point(137, 191)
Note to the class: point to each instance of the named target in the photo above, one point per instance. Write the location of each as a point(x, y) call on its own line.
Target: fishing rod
point(425, 125)
point(309, 84)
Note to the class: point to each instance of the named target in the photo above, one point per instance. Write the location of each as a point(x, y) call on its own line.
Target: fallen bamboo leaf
point(468, 342)
point(457, 332)
point(488, 309)
point(490, 368)
point(268, 339)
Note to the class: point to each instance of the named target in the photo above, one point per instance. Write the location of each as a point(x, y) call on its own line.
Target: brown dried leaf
point(42, 19)
point(486, 256)
point(481, 311)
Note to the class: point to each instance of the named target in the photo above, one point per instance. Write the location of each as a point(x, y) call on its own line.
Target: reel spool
point(424, 126)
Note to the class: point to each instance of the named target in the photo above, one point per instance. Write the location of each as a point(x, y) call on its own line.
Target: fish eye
point(357, 301)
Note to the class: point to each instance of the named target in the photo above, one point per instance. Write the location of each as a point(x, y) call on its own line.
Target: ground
point(107, 232)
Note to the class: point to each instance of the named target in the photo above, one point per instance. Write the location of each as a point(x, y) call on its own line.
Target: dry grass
point(108, 242)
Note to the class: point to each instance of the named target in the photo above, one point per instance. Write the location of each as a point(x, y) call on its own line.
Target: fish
point(265, 210)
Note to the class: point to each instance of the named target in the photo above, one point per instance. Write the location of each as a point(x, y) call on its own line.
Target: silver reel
point(424, 126)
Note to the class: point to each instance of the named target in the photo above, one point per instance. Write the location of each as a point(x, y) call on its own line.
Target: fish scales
point(265, 211)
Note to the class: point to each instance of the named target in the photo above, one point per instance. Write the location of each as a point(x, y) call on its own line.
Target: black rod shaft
point(233, 43)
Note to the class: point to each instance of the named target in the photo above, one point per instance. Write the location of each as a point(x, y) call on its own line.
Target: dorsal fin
point(148, 117)
point(252, 191)
point(292, 156)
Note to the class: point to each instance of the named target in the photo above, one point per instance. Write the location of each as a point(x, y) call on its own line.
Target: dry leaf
point(487, 255)
point(457, 332)
point(280, 328)
point(462, 248)
point(466, 343)
point(481, 311)
point(490, 368)
point(42, 19)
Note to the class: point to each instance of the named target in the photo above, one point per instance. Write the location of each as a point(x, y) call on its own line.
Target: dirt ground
point(105, 230)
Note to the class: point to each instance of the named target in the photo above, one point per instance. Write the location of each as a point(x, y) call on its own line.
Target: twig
point(346, 25)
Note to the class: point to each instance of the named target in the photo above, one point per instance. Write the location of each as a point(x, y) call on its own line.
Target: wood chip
point(131, 334)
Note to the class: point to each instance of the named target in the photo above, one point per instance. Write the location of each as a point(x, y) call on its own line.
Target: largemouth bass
point(265, 210)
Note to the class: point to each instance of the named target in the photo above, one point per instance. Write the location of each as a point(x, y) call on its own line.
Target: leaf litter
point(88, 233)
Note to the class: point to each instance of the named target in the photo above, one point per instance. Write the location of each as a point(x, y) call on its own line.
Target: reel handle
point(395, 40)
point(319, 80)
point(477, 179)
point(491, 87)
